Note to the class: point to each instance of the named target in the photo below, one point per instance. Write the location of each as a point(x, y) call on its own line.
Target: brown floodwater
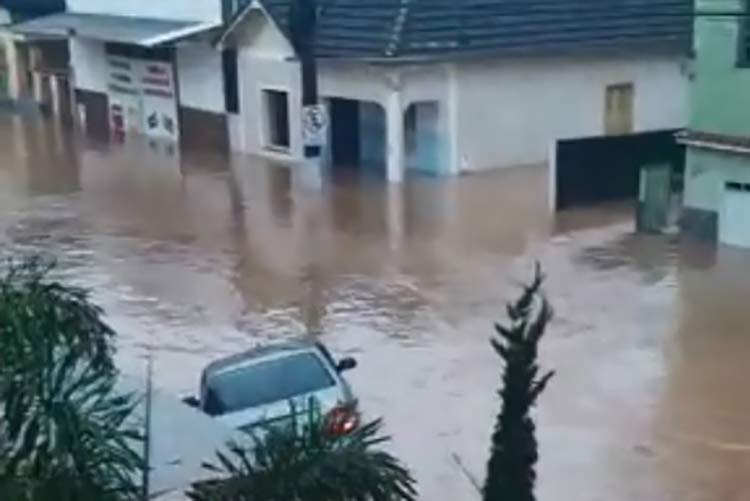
point(196, 257)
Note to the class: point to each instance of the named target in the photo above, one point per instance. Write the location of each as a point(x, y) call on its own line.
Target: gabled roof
point(396, 29)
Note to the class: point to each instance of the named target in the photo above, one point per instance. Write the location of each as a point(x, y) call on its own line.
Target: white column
point(55, 90)
point(38, 87)
point(395, 134)
point(552, 177)
point(14, 83)
point(395, 216)
point(454, 155)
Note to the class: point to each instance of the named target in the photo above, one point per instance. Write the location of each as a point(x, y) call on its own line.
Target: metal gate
point(600, 169)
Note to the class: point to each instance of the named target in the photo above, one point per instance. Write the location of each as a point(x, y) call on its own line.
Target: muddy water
point(193, 258)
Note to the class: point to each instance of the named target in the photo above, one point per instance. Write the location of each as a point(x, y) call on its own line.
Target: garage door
point(734, 222)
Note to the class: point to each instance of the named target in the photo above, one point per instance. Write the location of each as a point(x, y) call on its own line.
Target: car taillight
point(342, 421)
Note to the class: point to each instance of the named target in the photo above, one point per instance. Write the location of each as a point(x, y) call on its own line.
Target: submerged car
point(263, 386)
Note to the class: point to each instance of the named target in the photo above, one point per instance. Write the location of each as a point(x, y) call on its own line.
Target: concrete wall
point(717, 75)
point(257, 75)
point(707, 173)
point(200, 78)
point(492, 113)
point(509, 111)
point(263, 63)
point(89, 63)
point(719, 100)
point(189, 10)
point(199, 73)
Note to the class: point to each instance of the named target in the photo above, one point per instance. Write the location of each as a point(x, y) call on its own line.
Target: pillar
point(56, 98)
point(394, 204)
point(395, 134)
point(454, 154)
point(14, 83)
point(552, 177)
point(38, 86)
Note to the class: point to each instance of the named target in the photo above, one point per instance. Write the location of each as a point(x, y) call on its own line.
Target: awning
point(146, 32)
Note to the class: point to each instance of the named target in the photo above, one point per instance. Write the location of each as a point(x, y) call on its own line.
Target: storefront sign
point(142, 98)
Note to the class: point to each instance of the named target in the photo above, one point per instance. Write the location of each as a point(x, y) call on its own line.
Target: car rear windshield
point(265, 382)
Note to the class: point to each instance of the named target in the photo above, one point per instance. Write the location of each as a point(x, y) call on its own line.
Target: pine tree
point(510, 471)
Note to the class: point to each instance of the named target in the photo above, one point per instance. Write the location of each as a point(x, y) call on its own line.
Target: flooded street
point(195, 258)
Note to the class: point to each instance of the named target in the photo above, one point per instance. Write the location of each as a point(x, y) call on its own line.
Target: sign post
point(303, 22)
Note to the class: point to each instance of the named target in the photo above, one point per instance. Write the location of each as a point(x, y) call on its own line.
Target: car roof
point(261, 351)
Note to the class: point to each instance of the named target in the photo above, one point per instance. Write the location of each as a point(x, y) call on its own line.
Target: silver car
point(262, 385)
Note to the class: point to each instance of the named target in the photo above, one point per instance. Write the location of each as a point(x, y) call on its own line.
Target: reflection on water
point(195, 257)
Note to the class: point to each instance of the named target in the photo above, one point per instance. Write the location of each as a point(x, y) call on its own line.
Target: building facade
point(435, 87)
point(34, 71)
point(410, 90)
point(145, 68)
point(717, 177)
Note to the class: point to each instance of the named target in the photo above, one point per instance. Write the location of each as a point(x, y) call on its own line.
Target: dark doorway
point(345, 133)
point(601, 169)
point(277, 118)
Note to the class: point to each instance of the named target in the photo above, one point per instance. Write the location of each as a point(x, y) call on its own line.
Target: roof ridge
point(393, 47)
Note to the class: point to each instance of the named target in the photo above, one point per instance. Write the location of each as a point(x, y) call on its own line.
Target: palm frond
point(302, 461)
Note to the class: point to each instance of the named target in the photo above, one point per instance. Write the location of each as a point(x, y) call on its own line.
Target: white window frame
point(265, 119)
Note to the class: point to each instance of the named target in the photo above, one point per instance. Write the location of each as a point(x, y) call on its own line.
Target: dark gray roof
point(385, 29)
point(27, 9)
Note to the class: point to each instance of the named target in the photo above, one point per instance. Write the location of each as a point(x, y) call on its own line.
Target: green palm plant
point(303, 460)
point(72, 435)
point(66, 433)
point(38, 314)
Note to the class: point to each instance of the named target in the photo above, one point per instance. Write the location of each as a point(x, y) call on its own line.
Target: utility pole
point(303, 20)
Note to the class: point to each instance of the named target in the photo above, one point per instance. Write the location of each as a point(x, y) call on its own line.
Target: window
point(231, 84)
point(265, 383)
point(735, 186)
point(743, 38)
point(618, 109)
point(277, 118)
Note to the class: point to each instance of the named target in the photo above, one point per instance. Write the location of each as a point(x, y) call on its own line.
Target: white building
point(445, 88)
point(145, 67)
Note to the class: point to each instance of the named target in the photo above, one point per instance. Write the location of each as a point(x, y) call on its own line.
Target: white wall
point(255, 75)
point(89, 63)
point(200, 78)
point(707, 173)
point(509, 111)
point(261, 37)
point(357, 81)
point(200, 74)
point(263, 63)
point(188, 10)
